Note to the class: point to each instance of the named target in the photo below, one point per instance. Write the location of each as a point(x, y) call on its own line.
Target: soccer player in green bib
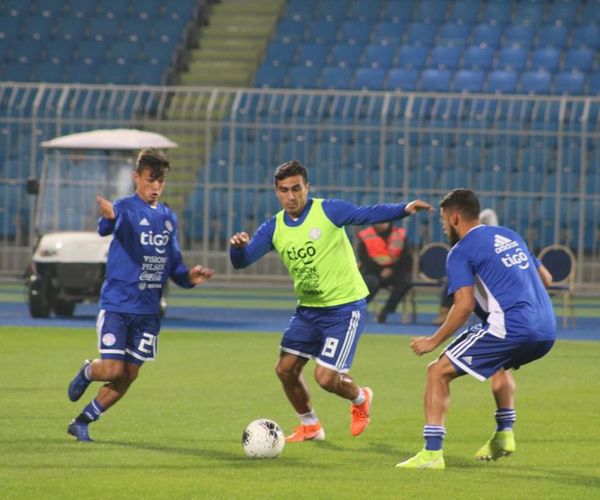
point(310, 238)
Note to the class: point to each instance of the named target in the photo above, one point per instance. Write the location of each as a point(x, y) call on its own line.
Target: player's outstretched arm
point(106, 207)
point(418, 205)
point(239, 240)
point(199, 274)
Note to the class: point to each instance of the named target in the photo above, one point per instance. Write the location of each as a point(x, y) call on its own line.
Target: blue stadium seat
point(111, 72)
point(369, 79)
point(487, 35)
point(468, 81)
point(303, 77)
point(104, 28)
point(399, 11)
point(586, 36)
point(530, 13)
point(37, 27)
point(157, 52)
point(28, 51)
point(434, 80)
point(496, 13)
point(81, 72)
point(590, 13)
point(70, 28)
point(139, 29)
point(9, 29)
point(345, 55)
point(334, 10)
point(518, 35)
point(322, 32)
point(501, 82)
point(147, 74)
point(270, 76)
point(379, 56)
point(335, 78)
point(512, 58)
point(17, 72)
point(580, 59)
point(569, 82)
point(302, 9)
point(432, 11)
point(124, 51)
point(552, 36)
point(563, 13)
point(313, 54)
point(59, 51)
point(464, 11)
point(421, 34)
point(593, 84)
point(454, 35)
point(49, 72)
point(281, 54)
point(402, 79)
point(476, 57)
point(289, 31)
point(15, 8)
point(91, 50)
point(546, 58)
point(466, 156)
point(412, 57)
point(535, 82)
point(445, 57)
point(356, 32)
point(388, 33)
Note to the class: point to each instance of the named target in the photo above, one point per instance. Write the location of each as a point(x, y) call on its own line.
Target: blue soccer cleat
point(79, 383)
point(79, 430)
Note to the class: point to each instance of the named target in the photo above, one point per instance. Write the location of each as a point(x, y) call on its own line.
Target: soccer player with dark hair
point(309, 236)
point(491, 272)
point(143, 254)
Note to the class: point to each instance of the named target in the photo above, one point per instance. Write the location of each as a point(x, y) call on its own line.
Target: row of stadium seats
point(435, 11)
point(428, 35)
point(427, 80)
point(441, 57)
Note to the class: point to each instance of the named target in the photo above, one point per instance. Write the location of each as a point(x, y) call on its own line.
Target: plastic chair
point(501, 82)
point(379, 56)
point(468, 81)
point(586, 36)
point(324, 32)
point(388, 33)
point(445, 57)
point(345, 55)
point(433, 80)
point(569, 82)
point(369, 79)
point(335, 78)
point(546, 58)
point(478, 58)
point(412, 57)
point(535, 82)
point(454, 34)
point(270, 76)
point(563, 12)
point(421, 34)
point(580, 59)
point(561, 263)
point(518, 35)
point(530, 12)
point(432, 11)
point(512, 58)
point(399, 12)
point(356, 32)
point(497, 13)
point(402, 79)
point(303, 77)
point(487, 35)
point(465, 11)
point(281, 54)
point(313, 54)
point(552, 36)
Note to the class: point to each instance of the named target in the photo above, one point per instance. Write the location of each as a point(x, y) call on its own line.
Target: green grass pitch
point(177, 433)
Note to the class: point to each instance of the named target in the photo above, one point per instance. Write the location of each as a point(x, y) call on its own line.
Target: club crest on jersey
point(314, 233)
point(158, 241)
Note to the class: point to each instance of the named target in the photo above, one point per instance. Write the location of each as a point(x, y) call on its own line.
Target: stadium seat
point(402, 79)
point(334, 10)
point(388, 33)
point(37, 27)
point(270, 76)
point(51, 72)
point(59, 51)
point(81, 72)
point(303, 77)
point(512, 58)
point(433, 80)
point(335, 78)
point(289, 31)
point(546, 58)
point(468, 81)
point(420, 34)
point(9, 29)
point(302, 9)
point(580, 59)
point(345, 55)
point(70, 28)
point(487, 35)
point(552, 36)
point(496, 13)
point(535, 82)
point(464, 11)
point(501, 82)
point(124, 51)
point(356, 32)
point(412, 57)
point(313, 54)
point(379, 56)
point(453, 34)
point(586, 36)
point(113, 72)
point(369, 79)
point(594, 84)
point(28, 51)
point(157, 52)
point(445, 57)
point(478, 58)
point(104, 28)
point(530, 13)
point(281, 54)
point(91, 50)
point(17, 72)
point(569, 82)
point(562, 13)
point(518, 35)
point(590, 13)
point(320, 31)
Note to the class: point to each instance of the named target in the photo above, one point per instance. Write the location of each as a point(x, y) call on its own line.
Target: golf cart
point(69, 260)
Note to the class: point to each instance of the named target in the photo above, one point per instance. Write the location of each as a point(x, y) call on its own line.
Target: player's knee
point(284, 372)
point(328, 380)
point(115, 372)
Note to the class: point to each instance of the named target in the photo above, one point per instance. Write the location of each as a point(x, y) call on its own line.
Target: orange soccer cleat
point(360, 414)
point(301, 433)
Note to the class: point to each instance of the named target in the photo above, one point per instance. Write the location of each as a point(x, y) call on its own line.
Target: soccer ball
point(263, 438)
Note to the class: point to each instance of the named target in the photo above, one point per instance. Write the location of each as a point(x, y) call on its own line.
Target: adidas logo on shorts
point(502, 244)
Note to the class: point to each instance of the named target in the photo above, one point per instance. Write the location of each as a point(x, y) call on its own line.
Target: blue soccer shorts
point(481, 354)
point(327, 334)
point(132, 338)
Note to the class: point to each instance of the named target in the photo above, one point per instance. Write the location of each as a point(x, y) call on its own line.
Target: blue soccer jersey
point(143, 254)
point(510, 295)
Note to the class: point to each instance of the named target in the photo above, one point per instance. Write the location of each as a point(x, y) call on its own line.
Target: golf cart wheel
point(39, 303)
point(64, 308)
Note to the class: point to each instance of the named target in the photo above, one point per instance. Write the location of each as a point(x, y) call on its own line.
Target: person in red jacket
point(385, 261)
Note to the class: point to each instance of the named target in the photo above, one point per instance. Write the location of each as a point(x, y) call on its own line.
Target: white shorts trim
point(111, 351)
point(319, 361)
point(296, 353)
point(466, 368)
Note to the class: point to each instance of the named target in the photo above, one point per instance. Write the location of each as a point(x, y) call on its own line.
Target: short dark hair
point(463, 201)
point(289, 169)
point(155, 161)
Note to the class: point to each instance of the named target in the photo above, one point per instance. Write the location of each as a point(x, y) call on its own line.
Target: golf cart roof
point(111, 139)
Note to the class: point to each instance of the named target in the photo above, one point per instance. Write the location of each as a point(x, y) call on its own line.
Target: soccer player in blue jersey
point(309, 235)
point(492, 272)
point(143, 254)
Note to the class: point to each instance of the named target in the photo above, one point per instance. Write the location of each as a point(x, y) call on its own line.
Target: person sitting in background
point(487, 217)
point(385, 261)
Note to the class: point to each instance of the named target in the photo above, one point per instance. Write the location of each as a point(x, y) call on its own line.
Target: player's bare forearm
point(199, 274)
point(106, 207)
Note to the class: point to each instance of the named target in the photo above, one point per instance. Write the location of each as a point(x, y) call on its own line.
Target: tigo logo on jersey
point(158, 241)
point(503, 244)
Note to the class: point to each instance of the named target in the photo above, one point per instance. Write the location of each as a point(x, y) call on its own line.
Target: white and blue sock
point(505, 419)
point(309, 418)
point(434, 437)
point(92, 412)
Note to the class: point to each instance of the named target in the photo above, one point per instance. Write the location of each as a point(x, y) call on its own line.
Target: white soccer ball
point(263, 438)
